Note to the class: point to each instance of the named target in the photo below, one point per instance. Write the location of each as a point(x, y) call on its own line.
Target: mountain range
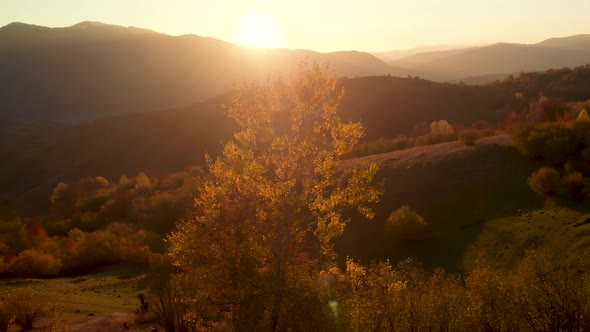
point(97, 99)
point(487, 63)
point(92, 70)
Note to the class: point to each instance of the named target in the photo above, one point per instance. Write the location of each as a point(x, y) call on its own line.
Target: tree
point(24, 308)
point(583, 116)
point(405, 224)
point(545, 181)
point(440, 131)
point(276, 198)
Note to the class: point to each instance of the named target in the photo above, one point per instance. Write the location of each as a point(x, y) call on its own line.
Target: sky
point(326, 25)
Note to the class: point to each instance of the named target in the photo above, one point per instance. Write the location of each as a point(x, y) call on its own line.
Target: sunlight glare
point(258, 28)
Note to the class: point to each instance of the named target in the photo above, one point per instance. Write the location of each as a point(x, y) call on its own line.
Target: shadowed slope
point(455, 187)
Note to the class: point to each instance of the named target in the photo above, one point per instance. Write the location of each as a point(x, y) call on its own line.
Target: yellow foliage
point(277, 190)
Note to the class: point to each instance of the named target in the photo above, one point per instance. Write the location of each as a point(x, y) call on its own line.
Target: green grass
point(563, 230)
point(105, 292)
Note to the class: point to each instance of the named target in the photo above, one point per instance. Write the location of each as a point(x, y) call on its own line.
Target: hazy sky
point(327, 25)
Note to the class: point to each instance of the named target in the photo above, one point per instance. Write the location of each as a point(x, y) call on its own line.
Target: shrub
point(583, 116)
point(489, 300)
point(581, 130)
point(3, 249)
point(406, 224)
point(548, 293)
point(166, 304)
point(574, 185)
point(440, 131)
point(554, 143)
point(36, 263)
point(408, 298)
point(545, 181)
point(469, 136)
point(25, 307)
point(6, 316)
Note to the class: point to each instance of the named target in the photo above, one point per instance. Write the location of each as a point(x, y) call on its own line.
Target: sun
point(258, 28)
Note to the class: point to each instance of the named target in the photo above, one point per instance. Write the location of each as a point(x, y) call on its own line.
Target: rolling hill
point(475, 200)
point(39, 155)
point(91, 70)
point(455, 187)
point(42, 154)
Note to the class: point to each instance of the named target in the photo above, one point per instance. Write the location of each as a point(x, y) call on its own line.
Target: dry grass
point(105, 300)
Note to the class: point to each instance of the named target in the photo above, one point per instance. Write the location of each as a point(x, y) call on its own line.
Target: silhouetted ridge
point(92, 69)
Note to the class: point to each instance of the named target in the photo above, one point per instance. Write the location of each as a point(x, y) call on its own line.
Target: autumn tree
point(277, 197)
point(406, 224)
point(440, 131)
point(545, 181)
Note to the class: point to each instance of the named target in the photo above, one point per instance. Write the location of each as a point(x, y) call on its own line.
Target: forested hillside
point(45, 153)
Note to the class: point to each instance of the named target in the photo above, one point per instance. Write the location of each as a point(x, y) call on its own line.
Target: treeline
point(539, 294)
point(96, 222)
point(440, 131)
point(569, 84)
point(564, 149)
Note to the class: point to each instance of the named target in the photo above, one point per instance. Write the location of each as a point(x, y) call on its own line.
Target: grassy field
point(565, 231)
point(100, 301)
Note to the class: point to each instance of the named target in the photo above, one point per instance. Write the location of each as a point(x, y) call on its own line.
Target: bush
point(6, 316)
point(379, 297)
point(166, 305)
point(583, 116)
point(117, 243)
point(23, 307)
point(440, 131)
point(545, 181)
point(406, 224)
point(546, 292)
point(469, 136)
point(574, 185)
point(554, 143)
point(540, 294)
point(35, 263)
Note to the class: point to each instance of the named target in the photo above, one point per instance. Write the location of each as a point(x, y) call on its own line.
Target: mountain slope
point(508, 58)
point(455, 187)
point(91, 69)
point(401, 54)
point(39, 155)
point(426, 57)
point(577, 41)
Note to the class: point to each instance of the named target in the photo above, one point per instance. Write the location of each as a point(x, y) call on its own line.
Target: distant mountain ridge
point(575, 41)
point(498, 59)
point(91, 69)
point(19, 34)
point(401, 54)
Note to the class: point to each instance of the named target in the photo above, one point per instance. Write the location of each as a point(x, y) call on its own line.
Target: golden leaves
point(278, 186)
